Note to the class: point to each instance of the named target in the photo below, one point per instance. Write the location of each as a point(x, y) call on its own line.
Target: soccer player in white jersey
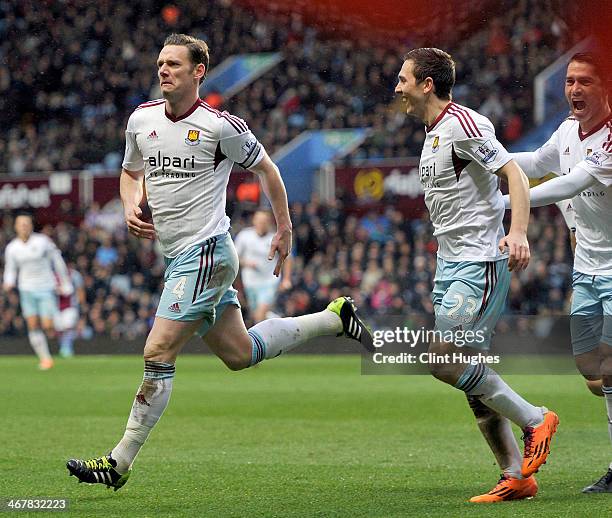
point(185, 150)
point(260, 284)
point(31, 262)
point(580, 151)
point(459, 169)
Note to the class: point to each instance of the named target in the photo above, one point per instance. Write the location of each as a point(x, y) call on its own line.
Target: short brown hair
point(198, 49)
point(596, 61)
point(434, 63)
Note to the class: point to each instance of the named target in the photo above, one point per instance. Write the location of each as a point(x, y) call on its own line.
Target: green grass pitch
point(298, 436)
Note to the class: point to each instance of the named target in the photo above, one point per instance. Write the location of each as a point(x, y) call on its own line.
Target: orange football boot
point(46, 364)
point(537, 443)
point(508, 488)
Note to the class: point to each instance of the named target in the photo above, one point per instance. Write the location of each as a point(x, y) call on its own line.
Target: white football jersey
point(459, 157)
point(30, 265)
point(256, 248)
point(569, 147)
point(187, 162)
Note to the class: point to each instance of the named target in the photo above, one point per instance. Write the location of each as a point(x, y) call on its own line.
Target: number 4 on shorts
point(179, 289)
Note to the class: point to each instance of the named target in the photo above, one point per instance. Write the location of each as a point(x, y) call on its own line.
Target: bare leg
point(589, 365)
point(38, 340)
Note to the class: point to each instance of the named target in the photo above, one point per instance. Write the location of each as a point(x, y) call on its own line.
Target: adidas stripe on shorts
point(198, 282)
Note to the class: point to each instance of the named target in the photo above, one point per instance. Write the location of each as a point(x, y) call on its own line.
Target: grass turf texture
point(297, 436)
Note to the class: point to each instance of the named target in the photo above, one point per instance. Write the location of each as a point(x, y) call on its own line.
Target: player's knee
point(155, 351)
point(443, 373)
point(589, 364)
point(436, 366)
point(235, 365)
point(237, 360)
point(49, 330)
point(33, 324)
point(595, 387)
point(434, 370)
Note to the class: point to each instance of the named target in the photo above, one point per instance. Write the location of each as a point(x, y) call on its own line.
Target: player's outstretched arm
point(273, 186)
point(530, 165)
point(561, 188)
point(542, 161)
point(558, 189)
point(132, 194)
point(516, 240)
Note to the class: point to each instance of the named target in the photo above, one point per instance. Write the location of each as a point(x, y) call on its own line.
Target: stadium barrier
point(372, 187)
point(300, 159)
point(64, 196)
point(237, 72)
point(535, 339)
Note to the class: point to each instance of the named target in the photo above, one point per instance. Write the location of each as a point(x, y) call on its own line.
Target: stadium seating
point(75, 95)
point(384, 262)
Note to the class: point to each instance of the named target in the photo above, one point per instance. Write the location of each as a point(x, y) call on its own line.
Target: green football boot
point(352, 326)
point(98, 471)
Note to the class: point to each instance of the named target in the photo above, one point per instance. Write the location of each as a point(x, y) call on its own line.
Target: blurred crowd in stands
point(73, 71)
point(385, 262)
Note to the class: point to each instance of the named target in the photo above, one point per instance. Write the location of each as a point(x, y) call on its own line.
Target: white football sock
point(149, 405)
point(608, 397)
point(66, 341)
point(277, 335)
point(483, 382)
point(38, 341)
point(497, 430)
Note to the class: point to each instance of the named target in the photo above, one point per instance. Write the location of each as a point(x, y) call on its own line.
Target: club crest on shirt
point(598, 158)
point(487, 152)
point(436, 144)
point(193, 137)
point(589, 151)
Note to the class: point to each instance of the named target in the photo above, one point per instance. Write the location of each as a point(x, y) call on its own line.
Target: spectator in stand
point(330, 254)
point(106, 254)
point(50, 75)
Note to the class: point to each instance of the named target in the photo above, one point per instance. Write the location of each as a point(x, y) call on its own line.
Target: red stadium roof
point(390, 21)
